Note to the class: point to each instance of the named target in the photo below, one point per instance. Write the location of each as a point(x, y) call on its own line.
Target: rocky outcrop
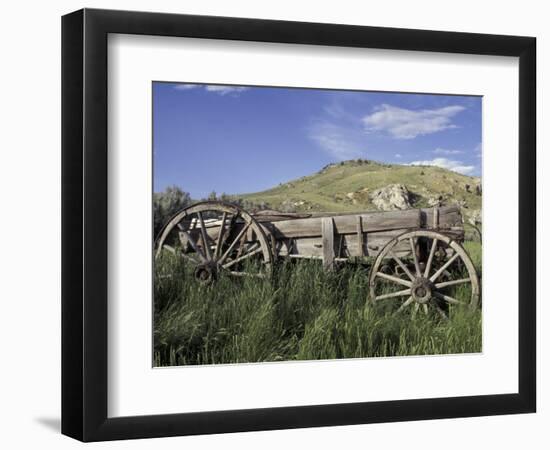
point(392, 197)
point(474, 217)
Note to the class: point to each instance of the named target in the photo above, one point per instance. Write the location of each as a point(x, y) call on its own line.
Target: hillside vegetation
point(351, 185)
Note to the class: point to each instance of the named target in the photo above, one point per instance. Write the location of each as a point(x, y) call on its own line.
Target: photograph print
point(314, 224)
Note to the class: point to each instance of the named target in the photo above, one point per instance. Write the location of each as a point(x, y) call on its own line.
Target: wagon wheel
point(216, 237)
point(432, 272)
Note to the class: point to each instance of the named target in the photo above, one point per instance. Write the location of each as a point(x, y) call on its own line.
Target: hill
point(360, 185)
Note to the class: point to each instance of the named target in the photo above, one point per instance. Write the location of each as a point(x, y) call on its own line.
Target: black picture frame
point(84, 224)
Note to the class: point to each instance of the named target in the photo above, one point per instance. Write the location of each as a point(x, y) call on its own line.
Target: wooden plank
point(346, 224)
point(327, 226)
point(390, 222)
point(360, 241)
point(436, 218)
point(448, 217)
point(314, 246)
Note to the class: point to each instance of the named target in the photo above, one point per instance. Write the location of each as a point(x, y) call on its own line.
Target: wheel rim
point(215, 238)
point(431, 273)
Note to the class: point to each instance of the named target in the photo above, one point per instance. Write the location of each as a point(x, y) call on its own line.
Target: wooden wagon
point(415, 256)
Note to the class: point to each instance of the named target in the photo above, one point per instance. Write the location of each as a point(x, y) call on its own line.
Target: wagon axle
point(421, 290)
point(206, 273)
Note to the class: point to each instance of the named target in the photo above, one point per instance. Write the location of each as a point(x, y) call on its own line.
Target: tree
point(166, 204)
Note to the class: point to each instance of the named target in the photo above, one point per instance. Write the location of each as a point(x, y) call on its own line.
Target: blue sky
point(237, 139)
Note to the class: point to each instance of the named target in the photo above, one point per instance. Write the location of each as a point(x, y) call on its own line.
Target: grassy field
point(303, 313)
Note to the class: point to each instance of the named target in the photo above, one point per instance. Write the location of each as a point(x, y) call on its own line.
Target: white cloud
point(404, 123)
point(218, 89)
point(455, 166)
point(185, 87)
point(340, 142)
point(445, 151)
point(398, 155)
point(224, 90)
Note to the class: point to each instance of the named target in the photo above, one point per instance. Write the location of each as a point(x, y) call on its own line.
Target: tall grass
point(303, 313)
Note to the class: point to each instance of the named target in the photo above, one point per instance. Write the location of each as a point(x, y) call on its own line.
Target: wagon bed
point(347, 235)
point(402, 247)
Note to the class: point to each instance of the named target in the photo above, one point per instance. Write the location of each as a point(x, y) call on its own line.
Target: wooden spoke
point(415, 309)
point(452, 283)
point(184, 255)
point(394, 279)
point(436, 275)
point(190, 258)
point(394, 294)
point(204, 235)
point(248, 274)
point(441, 312)
point(232, 246)
point(231, 225)
point(415, 257)
point(448, 299)
point(257, 249)
point(194, 245)
point(192, 223)
point(227, 233)
point(405, 304)
point(425, 308)
point(220, 236)
point(241, 245)
point(430, 259)
point(169, 248)
point(403, 266)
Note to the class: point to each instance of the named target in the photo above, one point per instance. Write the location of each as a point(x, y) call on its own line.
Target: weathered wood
point(360, 236)
point(219, 241)
point(205, 243)
point(234, 243)
point(402, 293)
point(392, 278)
point(327, 228)
point(430, 258)
point(251, 252)
point(350, 246)
point(435, 219)
point(448, 298)
point(305, 225)
point(404, 268)
point(373, 241)
point(414, 255)
point(346, 224)
point(444, 267)
point(448, 217)
point(354, 235)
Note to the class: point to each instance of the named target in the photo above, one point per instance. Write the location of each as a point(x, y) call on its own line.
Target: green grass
point(327, 189)
point(303, 313)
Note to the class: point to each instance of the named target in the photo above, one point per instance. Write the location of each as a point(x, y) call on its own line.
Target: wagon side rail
point(334, 238)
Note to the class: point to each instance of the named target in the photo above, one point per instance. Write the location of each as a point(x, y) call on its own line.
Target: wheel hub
point(206, 273)
point(422, 290)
